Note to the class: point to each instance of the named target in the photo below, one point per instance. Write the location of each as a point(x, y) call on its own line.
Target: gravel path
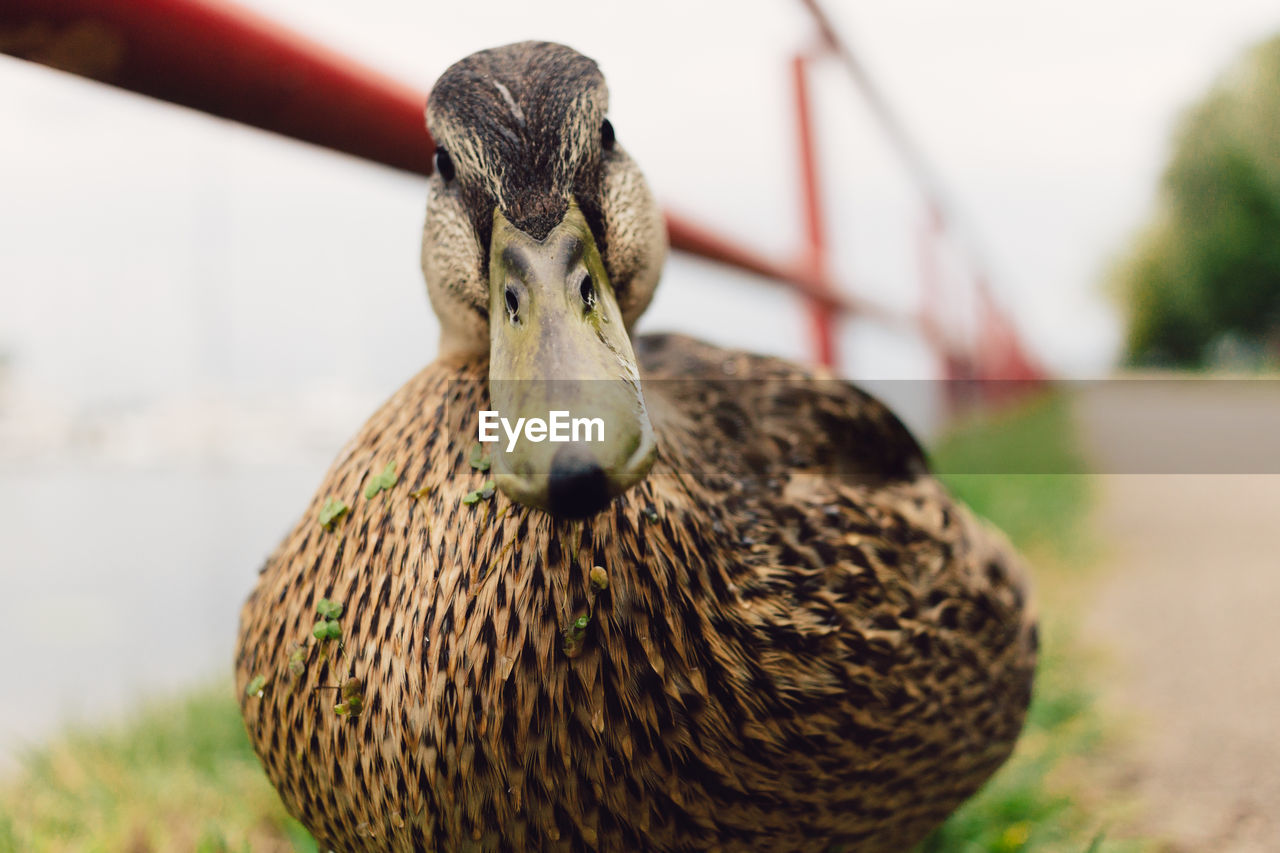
point(1189, 609)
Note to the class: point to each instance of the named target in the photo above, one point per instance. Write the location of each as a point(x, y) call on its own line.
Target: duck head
point(542, 247)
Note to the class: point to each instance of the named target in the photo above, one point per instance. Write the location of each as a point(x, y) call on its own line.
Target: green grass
point(1021, 468)
point(178, 776)
point(181, 775)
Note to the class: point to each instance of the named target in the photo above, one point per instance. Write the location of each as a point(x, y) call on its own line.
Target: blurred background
point(197, 314)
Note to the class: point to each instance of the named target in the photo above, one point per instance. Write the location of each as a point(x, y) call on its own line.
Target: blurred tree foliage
point(1206, 270)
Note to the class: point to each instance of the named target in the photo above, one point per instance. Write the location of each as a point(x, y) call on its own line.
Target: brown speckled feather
point(804, 642)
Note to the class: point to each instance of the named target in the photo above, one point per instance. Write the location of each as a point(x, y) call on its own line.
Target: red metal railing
point(230, 62)
point(815, 257)
point(227, 61)
point(997, 351)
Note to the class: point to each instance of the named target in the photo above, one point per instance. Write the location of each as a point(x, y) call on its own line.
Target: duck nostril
point(513, 305)
point(587, 290)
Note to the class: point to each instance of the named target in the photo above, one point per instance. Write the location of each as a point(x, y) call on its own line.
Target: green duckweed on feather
point(383, 481)
point(481, 494)
point(333, 509)
point(327, 629)
point(575, 634)
point(328, 609)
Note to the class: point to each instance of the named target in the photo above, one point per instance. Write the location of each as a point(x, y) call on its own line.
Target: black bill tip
point(578, 486)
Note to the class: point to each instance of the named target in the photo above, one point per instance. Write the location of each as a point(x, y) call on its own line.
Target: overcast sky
point(143, 246)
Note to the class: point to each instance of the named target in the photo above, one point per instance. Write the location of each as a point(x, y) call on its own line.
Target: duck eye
point(513, 305)
point(587, 290)
point(606, 135)
point(444, 164)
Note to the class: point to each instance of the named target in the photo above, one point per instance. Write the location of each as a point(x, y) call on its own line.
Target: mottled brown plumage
point(803, 643)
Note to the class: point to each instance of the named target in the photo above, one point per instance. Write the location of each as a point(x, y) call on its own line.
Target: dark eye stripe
point(444, 164)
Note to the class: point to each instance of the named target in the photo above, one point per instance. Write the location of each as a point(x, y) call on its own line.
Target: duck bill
point(571, 428)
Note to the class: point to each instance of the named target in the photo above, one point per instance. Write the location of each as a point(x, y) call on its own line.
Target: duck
point(741, 616)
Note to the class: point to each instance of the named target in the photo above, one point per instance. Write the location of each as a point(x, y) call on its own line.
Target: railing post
point(814, 257)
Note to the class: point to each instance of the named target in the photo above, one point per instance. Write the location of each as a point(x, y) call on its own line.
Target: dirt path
point(1189, 609)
